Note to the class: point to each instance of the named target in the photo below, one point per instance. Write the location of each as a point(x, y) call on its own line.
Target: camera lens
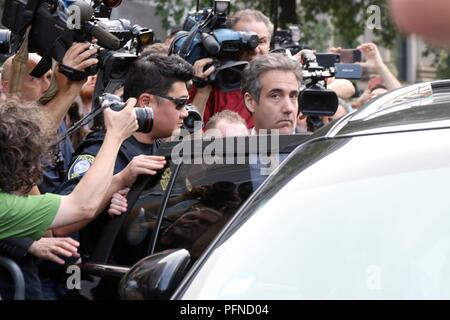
point(193, 121)
point(5, 42)
point(249, 40)
point(144, 118)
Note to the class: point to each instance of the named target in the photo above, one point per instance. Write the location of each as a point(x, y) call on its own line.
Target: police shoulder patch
point(165, 177)
point(79, 167)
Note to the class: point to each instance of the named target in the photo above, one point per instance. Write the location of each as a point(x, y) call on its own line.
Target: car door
point(184, 206)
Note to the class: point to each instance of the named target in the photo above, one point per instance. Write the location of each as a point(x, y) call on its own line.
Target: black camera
point(144, 116)
point(126, 33)
point(287, 39)
point(316, 99)
point(206, 34)
point(54, 28)
point(5, 44)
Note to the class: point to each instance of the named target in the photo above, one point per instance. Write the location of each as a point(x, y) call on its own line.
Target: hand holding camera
point(373, 62)
point(121, 123)
point(201, 75)
point(77, 58)
point(144, 116)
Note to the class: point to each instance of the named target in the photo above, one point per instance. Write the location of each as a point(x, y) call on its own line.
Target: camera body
point(48, 18)
point(288, 39)
point(54, 28)
point(206, 34)
point(126, 33)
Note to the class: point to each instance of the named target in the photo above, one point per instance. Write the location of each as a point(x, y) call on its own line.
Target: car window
point(366, 220)
point(132, 243)
point(204, 198)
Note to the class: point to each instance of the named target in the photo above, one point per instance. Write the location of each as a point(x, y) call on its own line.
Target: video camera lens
point(144, 116)
point(5, 42)
point(250, 40)
point(193, 121)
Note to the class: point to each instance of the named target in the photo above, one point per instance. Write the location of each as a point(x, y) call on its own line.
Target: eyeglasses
point(180, 103)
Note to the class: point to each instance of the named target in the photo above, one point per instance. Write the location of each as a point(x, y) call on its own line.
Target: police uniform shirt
point(85, 155)
point(54, 174)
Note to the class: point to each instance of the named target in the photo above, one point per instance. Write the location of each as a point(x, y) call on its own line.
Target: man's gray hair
point(249, 15)
point(251, 76)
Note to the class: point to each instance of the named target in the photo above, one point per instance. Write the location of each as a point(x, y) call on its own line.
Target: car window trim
point(165, 200)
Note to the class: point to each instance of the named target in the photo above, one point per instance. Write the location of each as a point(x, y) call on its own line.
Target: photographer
point(211, 100)
point(32, 89)
point(23, 249)
point(270, 86)
point(25, 134)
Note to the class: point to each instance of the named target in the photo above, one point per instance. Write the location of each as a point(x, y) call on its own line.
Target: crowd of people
point(49, 192)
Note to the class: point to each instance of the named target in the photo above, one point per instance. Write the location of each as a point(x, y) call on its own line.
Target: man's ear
point(250, 103)
point(146, 100)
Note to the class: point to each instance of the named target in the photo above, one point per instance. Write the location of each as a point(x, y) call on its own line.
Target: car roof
point(417, 107)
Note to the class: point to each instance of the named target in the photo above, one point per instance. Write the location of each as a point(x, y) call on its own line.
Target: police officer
point(156, 81)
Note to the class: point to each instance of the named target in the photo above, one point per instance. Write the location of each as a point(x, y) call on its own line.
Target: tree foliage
point(347, 17)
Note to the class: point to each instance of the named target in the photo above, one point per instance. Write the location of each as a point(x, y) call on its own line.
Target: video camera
point(54, 28)
point(316, 100)
point(5, 44)
point(287, 39)
point(207, 34)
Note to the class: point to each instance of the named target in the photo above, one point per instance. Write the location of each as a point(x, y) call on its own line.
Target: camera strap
point(42, 67)
point(186, 47)
point(200, 82)
point(71, 73)
point(82, 122)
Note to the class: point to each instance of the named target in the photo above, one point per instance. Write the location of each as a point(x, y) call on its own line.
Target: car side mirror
point(155, 277)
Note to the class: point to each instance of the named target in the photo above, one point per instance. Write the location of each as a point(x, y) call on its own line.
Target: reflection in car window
point(369, 220)
point(133, 241)
point(203, 200)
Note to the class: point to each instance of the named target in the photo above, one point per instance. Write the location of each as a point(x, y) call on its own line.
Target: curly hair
point(25, 136)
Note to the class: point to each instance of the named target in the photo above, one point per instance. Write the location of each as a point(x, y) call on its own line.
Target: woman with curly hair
point(24, 139)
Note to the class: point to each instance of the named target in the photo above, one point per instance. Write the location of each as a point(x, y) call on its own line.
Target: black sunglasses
point(180, 103)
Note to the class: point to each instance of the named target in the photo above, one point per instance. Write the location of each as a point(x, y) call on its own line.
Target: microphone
point(86, 11)
point(210, 43)
point(105, 39)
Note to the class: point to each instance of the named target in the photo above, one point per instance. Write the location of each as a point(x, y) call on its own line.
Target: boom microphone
point(210, 43)
point(105, 39)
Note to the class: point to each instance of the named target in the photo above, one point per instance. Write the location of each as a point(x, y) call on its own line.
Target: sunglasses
point(180, 103)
